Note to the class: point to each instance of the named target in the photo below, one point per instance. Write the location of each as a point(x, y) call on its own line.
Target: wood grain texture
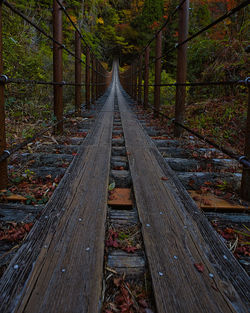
point(173, 239)
point(60, 265)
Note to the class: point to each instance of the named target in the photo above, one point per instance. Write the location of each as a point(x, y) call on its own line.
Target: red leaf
point(117, 281)
point(164, 178)
point(28, 226)
point(130, 249)
point(143, 303)
point(199, 267)
point(115, 244)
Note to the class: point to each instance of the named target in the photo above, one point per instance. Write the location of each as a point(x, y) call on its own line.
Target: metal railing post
point(245, 182)
point(140, 81)
point(3, 164)
point(93, 78)
point(78, 73)
point(181, 67)
point(96, 80)
point(157, 89)
point(146, 78)
point(87, 79)
point(58, 65)
point(136, 80)
point(131, 81)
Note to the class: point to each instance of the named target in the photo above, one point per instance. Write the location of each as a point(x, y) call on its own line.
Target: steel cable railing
point(96, 83)
point(134, 89)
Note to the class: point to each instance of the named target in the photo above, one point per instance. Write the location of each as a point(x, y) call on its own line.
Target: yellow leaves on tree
point(100, 21)
point(74, 20)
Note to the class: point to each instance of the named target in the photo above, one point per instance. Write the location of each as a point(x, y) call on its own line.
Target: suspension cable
point(8, 153)
point(241, 159)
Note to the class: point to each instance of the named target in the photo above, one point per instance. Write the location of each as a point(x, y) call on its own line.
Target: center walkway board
point(191, 269)
point(67, 275)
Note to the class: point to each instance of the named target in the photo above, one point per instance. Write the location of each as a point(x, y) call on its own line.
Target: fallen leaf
point(199, 267)
point(164, 178)
point(117, 281)
point(112, 186)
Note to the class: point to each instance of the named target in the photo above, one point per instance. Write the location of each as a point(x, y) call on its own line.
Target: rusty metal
point(245, 182)
point(87, 79)
point(136, 80)
point(58, 65)
point(3, 164)
point(78, 74)
point(132, 80)
point(157, 89)
point(96, 81)
point(146, 77)
point(3, 80)
point(181, 75)
point(93, 81)
point(140, 81)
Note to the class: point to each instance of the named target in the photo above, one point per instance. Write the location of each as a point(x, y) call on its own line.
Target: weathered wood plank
point(61, 262)
point(173, 239)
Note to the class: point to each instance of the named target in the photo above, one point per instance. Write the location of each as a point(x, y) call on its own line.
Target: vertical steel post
point(157, 89)
point(245, 182)
point(93, 81)
point(96, 80)
point(87, 79)
point(78, 73)
point(131, 80)
point(146, 78)
point(136, 80)
point(58, 64)
point(3, 164)
point(140, 81)
point(181, 67)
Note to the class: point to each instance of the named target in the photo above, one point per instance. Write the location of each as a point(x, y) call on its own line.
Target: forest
point(122, 28)
point(124, 156)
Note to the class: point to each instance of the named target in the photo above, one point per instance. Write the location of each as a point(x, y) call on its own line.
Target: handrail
point(8, 153)
point(239, 158)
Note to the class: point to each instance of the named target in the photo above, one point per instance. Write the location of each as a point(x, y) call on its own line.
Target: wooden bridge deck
point(60, 266)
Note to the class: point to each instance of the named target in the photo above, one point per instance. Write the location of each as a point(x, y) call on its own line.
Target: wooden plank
point(172, 238)
point(61, 262)
point(209, 202)
point(128, 263)
point(120, 197)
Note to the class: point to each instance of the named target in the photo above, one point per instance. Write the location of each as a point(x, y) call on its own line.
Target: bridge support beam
point(78, 73)
point(3, 164)
point(87, 79)
point(157, 89)
point(245, 183)
point(58, 65)
point(181, 67)
point(146, 78)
